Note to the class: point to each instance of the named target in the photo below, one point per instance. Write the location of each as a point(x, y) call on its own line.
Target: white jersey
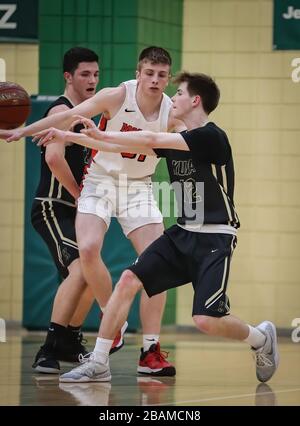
point(130, 118)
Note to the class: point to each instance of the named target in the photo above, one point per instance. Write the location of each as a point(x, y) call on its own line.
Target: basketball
point(14, 105)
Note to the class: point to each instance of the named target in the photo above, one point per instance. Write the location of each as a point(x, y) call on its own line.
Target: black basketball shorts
point(55, 222)
point(179, 257)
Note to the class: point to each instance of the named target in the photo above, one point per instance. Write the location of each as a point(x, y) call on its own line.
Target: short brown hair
point(202, 85)
point(155, 55)
point(75, 55)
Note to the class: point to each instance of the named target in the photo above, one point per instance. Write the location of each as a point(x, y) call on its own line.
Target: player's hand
point(51, 135)
point(86, 122)
point(94, 133)
point(90, 128)
point(11, 135)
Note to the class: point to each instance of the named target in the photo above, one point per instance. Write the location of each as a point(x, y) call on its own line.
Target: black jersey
point(77, 157)
point(204, 176)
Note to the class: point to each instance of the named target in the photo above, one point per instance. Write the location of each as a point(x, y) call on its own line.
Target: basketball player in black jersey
point(53, 217)
point(198, 249)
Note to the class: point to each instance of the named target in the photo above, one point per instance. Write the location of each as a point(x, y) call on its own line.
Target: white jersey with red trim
point(130, 118)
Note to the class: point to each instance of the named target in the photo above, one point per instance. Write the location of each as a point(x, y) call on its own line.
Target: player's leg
point(72, 303)
point(83, 308)
point(262, 339)
point(55, 223)
point(96, 367)
point(90, 231)
point(67, 296)
point(96, 205)
point(143, 224)
point(211, 305)
point(151, 309)
point(157, 274)
point(74, 298)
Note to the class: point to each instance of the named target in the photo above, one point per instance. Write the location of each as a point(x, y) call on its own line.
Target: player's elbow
point(52, 158)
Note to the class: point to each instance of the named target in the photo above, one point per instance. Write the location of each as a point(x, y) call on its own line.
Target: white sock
point(256, 338)
point(149, 340)
point(101, 350)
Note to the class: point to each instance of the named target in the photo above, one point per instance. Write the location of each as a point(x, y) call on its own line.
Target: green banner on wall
point(19, 21)
point(286, 32)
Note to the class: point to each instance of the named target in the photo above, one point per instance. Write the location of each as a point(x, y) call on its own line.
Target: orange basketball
point(14, 105)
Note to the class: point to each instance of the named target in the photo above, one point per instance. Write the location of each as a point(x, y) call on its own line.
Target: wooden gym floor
point(209, 372)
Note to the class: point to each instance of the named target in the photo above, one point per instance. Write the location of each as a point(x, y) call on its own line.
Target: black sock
point(54, 332)
point(75, 331)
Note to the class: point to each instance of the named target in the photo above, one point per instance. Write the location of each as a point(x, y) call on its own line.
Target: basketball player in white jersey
point(134, 105)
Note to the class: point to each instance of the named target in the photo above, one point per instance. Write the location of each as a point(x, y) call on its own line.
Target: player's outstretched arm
point(52, 135)
point(103, 101)
point(143, 139)
point(138, 140)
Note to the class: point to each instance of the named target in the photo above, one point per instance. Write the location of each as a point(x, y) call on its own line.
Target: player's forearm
point(81, 139)
point(145, 140)
point(61, 120)
point(63, 174)
point(138, 140)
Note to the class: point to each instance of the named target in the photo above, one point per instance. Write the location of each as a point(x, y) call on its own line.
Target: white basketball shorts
point(130, 201)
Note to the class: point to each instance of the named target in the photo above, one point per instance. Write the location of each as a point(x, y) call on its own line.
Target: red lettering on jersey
point(128, 128)
point(125, 128)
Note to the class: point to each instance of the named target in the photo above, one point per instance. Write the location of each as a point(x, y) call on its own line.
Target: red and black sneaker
point(153, 362)
point(118, 342)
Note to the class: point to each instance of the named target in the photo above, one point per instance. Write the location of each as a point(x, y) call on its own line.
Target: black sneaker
point(71, 348)
point(46, 362)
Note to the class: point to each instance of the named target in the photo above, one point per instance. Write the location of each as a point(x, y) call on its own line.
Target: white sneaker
point(89, 371)
point(267, 357)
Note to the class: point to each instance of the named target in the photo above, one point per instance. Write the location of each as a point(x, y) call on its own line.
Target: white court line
point(217, 398)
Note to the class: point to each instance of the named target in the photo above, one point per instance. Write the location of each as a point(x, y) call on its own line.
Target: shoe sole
point(116, 348)
point(275, 348)
point(46, 370)
point(84, 380)
point(168, 371)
